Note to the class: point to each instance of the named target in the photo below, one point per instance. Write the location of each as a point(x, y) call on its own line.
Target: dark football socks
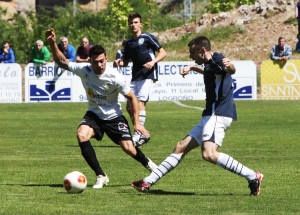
point(90, 157)
point(140, 157)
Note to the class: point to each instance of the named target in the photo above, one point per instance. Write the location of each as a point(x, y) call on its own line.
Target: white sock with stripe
point(232, 165)
point(166, 166)
point(142, 119)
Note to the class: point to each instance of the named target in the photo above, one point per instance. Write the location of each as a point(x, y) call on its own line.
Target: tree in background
point(96, 26)
point(119, 10)
point(105, 27)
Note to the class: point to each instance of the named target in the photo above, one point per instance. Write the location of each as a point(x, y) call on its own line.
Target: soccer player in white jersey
point(219, 112)
point(140, 49)
point(102, 85)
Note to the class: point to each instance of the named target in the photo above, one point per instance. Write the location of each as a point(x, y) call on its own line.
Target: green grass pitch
point(38, 147)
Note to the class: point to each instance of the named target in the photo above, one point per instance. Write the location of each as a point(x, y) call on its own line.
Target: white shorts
point(142, 89)
point(211, 128)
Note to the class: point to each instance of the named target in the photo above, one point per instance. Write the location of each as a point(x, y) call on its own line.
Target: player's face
point(197, 54)
point(98, 63)
point(135, 25)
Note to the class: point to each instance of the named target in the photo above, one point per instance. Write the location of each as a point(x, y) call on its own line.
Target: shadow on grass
point(43, 185)
point(55, 185)
point(152, 192)
point(34, 185)
point(162, 192)
point(96, 146)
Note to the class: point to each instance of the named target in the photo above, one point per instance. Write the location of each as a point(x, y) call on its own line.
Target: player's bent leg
point(137, 154)
point(142, 102)
point(185, 146)
point(127, 147)
point(170, 163)
point(140, 139)
point(128, 108)
point(254, 178)
point(210, 154)
point(84, 134)
point(209, 151)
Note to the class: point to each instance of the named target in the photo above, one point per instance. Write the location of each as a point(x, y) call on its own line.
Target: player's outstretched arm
point(135, 112)
point(58, 56)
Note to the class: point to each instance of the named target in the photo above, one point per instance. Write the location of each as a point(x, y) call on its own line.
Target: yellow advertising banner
point(280, 80)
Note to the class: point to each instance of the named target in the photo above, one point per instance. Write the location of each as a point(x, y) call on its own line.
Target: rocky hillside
point(261, 32)
point(261, 26)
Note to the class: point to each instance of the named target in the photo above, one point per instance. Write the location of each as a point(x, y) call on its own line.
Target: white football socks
point(166, 166)
point(142, 119)
point(232, 165)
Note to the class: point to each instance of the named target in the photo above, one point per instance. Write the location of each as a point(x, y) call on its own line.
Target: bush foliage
point(216, 6)
point(105, 27)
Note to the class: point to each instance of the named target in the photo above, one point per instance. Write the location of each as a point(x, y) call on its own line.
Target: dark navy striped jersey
point(141, 50)
point(219, 89)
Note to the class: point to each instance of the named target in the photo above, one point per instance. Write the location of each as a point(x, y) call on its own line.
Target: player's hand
point(226, 62)
point(229, 67)
point(185, 70)
point(119, 63)
point(148, 65)
point(142, 130)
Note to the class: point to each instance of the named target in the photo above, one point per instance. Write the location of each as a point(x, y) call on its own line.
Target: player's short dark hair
point(97, 50)
point(133, 16)
point(200, 41)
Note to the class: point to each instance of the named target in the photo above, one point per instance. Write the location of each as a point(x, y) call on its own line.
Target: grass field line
point(183, 105)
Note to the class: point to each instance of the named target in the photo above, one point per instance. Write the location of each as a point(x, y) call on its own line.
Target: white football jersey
point(102, 90)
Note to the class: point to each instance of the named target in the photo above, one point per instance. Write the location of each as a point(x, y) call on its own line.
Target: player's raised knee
point(209, 156)
point(82, 137)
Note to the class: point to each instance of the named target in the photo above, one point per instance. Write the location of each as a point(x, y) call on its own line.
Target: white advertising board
point(171, 86)
point(10, 83)
point(245, 80)
point(46, 83)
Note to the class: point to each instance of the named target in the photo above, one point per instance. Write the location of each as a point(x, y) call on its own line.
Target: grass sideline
point(38, 147)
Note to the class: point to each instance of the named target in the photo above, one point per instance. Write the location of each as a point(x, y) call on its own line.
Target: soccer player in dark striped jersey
point(217, 117)
point(140, 49)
